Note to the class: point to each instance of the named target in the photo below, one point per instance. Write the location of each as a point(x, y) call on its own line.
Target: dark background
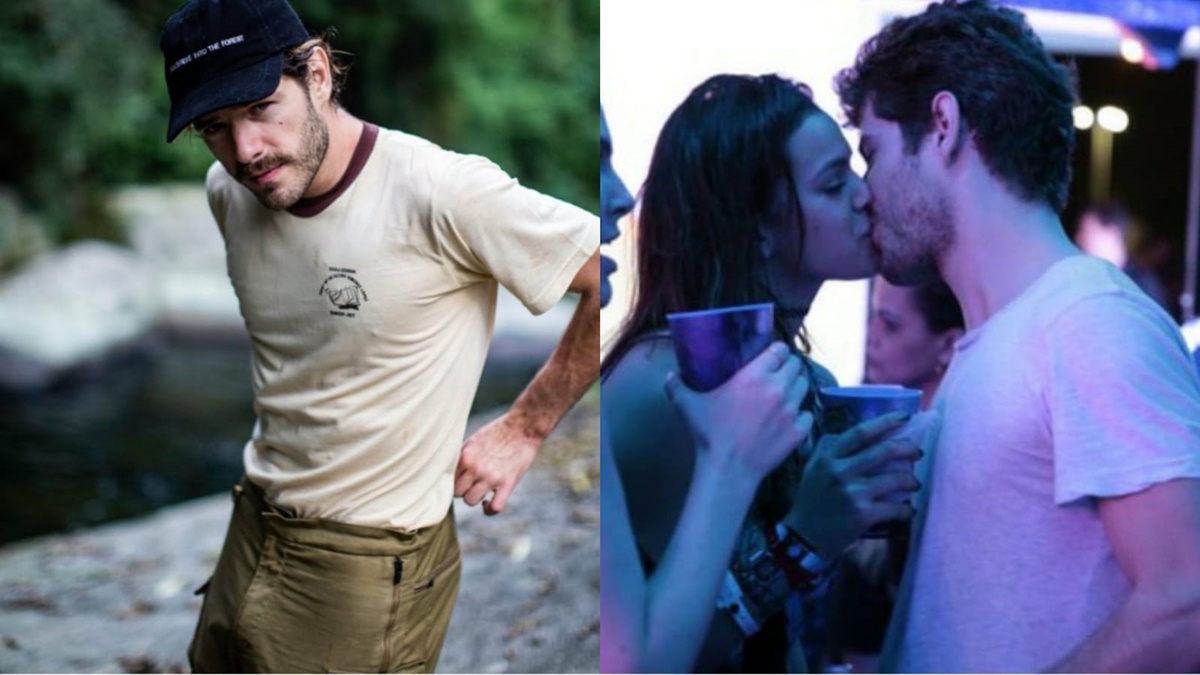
point(1151, 159)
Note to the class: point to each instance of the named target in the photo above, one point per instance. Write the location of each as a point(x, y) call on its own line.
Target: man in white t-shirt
point(1060, 527)
point(366, 264)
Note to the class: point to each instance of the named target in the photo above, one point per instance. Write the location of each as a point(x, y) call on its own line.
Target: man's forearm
point(1148, 634)
point(571, 369)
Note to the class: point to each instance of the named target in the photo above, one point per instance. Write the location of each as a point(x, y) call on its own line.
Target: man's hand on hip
point(497, 456)
point(494, 459)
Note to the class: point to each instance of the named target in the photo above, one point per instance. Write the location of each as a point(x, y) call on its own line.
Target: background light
point(1084, 117)
point(1113, 119)
point(1132, 50)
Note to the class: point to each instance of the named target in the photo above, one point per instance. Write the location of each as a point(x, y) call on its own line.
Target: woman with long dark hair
point(657, 623)
point(749, 198)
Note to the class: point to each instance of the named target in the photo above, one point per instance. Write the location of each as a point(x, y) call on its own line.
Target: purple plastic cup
point(846, 407)
point(712, 344)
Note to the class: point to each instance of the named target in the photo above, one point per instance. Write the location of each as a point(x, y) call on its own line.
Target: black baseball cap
point(220, 53)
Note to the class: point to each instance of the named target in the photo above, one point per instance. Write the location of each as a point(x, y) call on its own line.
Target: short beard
point(314, 144)
point(921, 234)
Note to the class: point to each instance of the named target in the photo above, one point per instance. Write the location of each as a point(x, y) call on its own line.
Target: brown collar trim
point(311, 206)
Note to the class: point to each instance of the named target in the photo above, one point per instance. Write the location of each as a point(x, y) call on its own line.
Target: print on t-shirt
point(343, 291)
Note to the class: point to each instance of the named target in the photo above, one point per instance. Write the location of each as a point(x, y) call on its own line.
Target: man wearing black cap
point(366, 263)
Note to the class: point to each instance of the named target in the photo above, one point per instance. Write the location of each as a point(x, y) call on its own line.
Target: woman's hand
point(749, 424)
point(846, 482)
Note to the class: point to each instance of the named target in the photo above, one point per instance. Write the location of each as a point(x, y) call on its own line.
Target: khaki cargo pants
point(309, 596)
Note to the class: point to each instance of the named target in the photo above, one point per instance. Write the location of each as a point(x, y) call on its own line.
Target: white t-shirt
point(371, 320)
point(1079, 389)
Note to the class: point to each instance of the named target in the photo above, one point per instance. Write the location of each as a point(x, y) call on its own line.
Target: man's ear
point(320, 78)
point(946, 342)
point(949, 130)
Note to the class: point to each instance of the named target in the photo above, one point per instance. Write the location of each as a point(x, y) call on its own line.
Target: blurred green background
point(85, 103)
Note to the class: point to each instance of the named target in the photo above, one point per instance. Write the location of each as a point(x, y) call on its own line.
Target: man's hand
point(494, 459)
point(497, 456)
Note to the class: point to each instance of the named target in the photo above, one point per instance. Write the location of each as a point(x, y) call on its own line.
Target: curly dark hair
point(1015, 99)
point(295, 62)
point(715, 177)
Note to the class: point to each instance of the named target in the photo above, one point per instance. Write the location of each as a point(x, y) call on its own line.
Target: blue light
point(1138, 14)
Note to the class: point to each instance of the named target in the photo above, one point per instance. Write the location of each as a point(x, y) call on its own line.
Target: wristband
point(732, 600)
point(799, 562)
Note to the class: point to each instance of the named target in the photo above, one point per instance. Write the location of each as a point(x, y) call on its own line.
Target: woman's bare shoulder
point(633, 399)
point(647, 359)
point(651, 444)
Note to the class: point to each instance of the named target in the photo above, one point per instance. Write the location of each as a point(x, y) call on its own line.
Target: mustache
point(262, 166)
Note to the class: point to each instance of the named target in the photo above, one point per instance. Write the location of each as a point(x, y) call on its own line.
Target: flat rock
point(71, 306)
point(171, 228)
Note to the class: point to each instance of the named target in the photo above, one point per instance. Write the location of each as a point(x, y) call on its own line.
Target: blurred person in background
point(911, 335)
point(1060, 527)
point(750, 198)
point(366, 263)
point(1104, 230)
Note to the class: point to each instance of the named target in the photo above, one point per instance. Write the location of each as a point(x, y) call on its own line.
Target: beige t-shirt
point(370, 322)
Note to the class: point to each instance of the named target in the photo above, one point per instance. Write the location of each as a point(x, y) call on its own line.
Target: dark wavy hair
point(1015, 99)
point(716, 175)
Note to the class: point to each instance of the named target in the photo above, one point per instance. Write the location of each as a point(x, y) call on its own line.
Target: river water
point(157, 427)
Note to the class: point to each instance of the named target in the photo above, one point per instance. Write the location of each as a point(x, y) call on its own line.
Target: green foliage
point(86, 103)
point(517, 81)
point(81, 105)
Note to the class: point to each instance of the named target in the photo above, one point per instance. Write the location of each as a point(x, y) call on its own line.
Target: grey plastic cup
point(712, 344)
point(846, 407)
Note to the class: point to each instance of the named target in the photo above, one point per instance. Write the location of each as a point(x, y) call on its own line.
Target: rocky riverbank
point(118, 598)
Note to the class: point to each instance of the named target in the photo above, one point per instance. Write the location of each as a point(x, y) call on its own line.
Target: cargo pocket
point(312, 609)
point(202, 653)
point(432, 597)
